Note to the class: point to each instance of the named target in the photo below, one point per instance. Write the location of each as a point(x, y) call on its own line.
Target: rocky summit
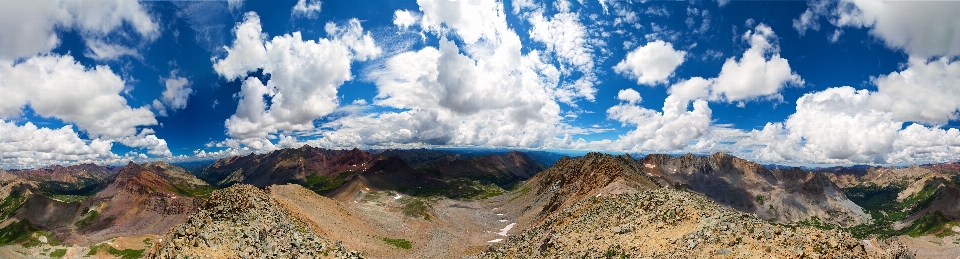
point(668, 223)
point(244, 222)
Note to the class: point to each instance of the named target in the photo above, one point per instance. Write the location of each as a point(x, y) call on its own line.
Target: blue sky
point(787, 82)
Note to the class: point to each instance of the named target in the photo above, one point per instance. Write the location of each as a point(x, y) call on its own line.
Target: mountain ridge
point(448, 205)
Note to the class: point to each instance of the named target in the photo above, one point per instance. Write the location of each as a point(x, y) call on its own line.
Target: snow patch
point(650, 165)
point(495, 240)
point(397, 197)
point(503, 231)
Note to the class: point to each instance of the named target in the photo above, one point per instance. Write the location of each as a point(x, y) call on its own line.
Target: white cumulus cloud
point(922, 29)
point(669, 130)
point(175, 95)
point(754, 75)
point(567, 38)
point(307, 8)
point(842, 125)
point(651, 64)
point(629, 95)
point(451, 100)
point(304, 76)
point(146, 139)
point(926, 92)
point(691, 89)
point(37, 23)
point(480, 91)
point(405, 18)
point(565, 35)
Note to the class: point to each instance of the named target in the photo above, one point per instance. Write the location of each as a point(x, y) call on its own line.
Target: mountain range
point(314, 202)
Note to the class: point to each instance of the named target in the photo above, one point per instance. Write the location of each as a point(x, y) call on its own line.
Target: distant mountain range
point(439, 203)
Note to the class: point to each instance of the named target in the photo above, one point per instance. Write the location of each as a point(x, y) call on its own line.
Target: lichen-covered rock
point(244, 222)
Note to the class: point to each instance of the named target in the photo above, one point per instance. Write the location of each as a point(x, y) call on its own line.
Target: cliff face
point(782, 195)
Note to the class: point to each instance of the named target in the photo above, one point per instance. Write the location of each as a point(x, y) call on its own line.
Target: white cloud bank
point(60, 87)
point(926, 92)
point(844, 125)
point(29, 146)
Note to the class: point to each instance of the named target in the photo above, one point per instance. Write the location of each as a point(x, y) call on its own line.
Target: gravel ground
point(667, 223)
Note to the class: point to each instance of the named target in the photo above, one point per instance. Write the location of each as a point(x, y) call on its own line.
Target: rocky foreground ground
point(243, 222)
point(668, 223)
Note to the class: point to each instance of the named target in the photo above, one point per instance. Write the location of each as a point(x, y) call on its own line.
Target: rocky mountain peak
point(784, 195)
point(668, 223)
point(573, 179)
point(130, 170)
point(160, 164)
point(242, 221)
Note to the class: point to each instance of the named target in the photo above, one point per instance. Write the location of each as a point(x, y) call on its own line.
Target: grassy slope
point(882, 205)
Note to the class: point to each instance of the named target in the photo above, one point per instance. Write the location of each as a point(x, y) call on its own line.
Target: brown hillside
point(390, 173)
point(285, 166)
point(502, 169)
point(571, 180)
point(138, 200)
point(69, 174)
